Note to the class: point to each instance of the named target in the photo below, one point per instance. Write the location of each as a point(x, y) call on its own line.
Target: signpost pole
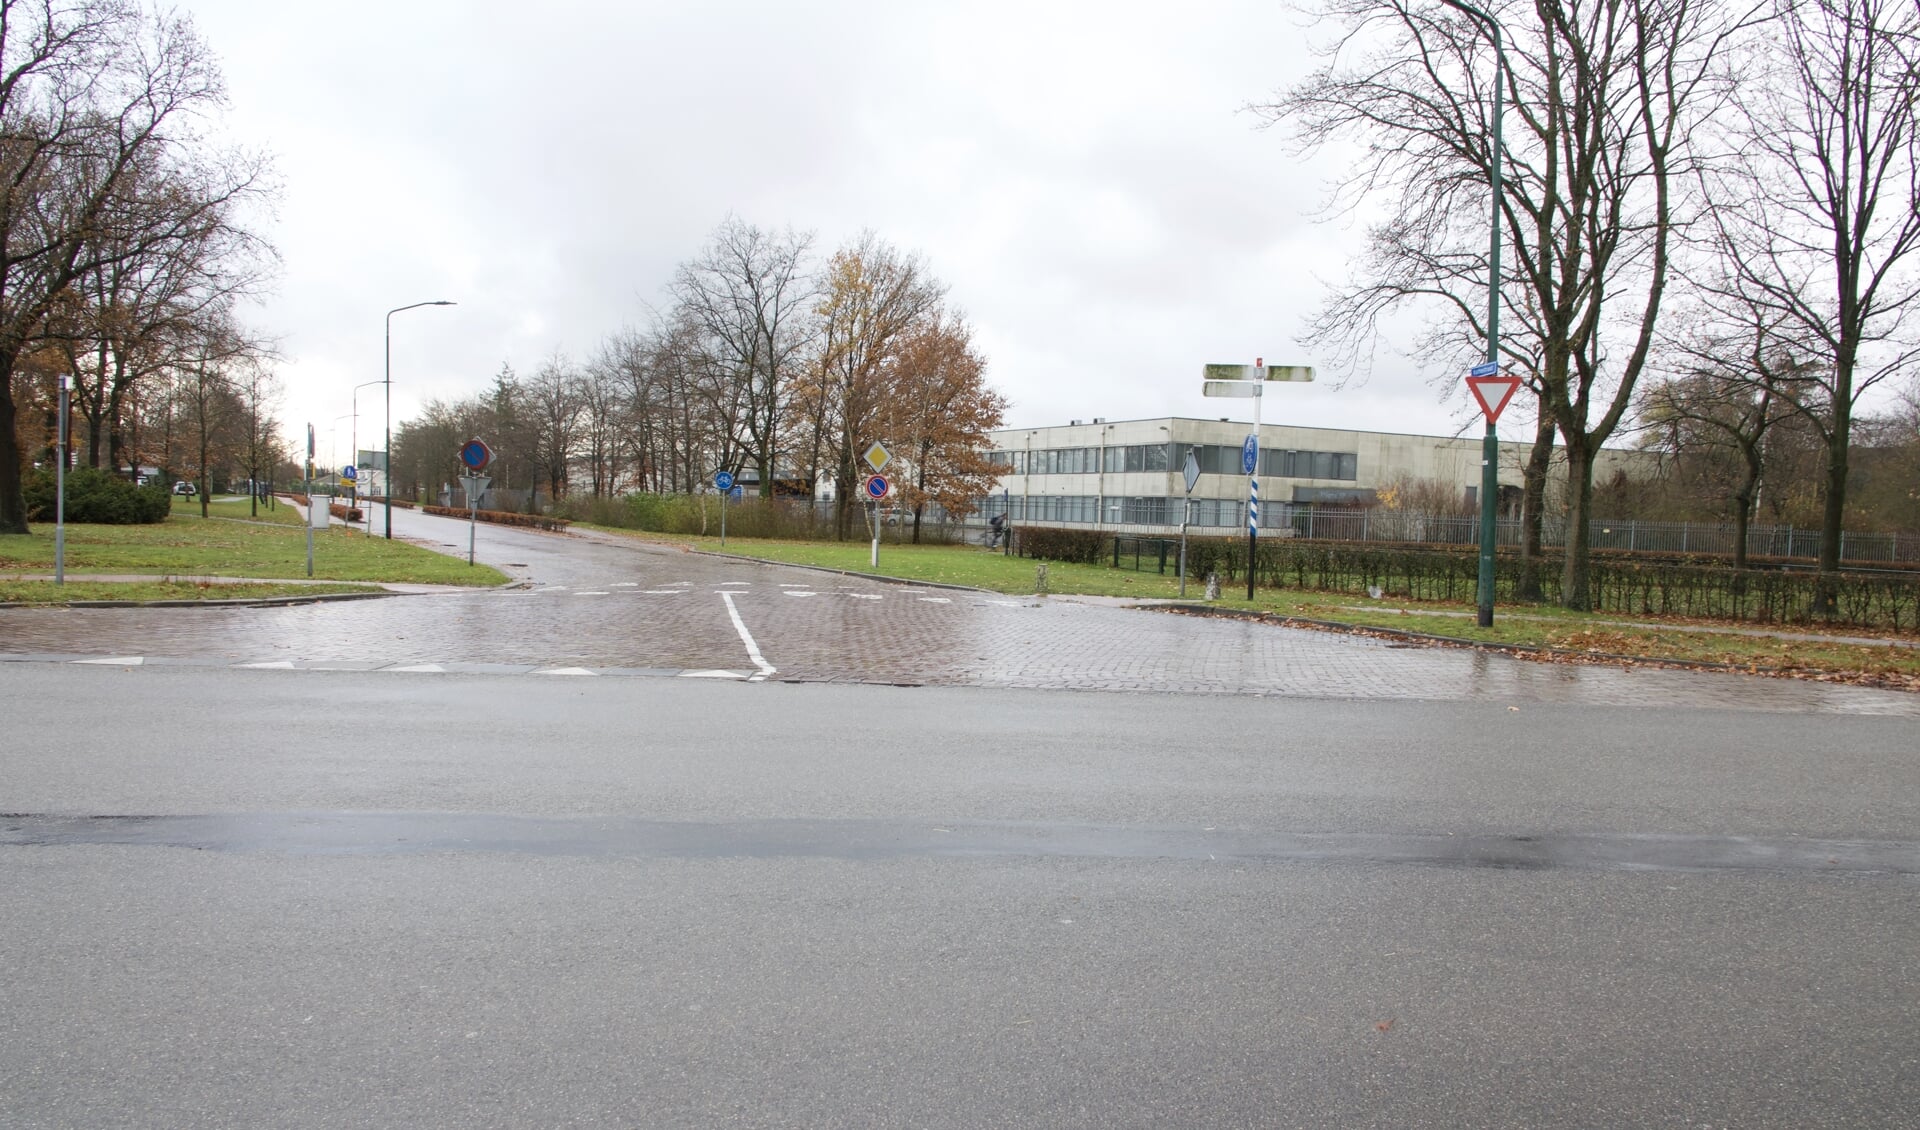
point(1253, 487)
point(723, 517)
point(1489, 489)
point(60, 493)
point(309, 486)
point(473, 518)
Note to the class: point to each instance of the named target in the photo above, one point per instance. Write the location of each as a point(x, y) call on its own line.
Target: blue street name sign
point(723, 480)
point(1250, 455)
point(1485, 369)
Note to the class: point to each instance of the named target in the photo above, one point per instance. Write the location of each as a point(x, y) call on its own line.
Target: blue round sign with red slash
point(877, 487)
point(476, 455)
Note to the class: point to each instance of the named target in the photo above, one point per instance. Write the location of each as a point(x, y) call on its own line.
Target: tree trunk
point(1576, 575)
point(13, 503)
point(1533, 506)
point(1826, 598)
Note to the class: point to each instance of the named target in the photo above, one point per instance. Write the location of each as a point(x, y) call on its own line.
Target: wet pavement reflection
point(598, 604)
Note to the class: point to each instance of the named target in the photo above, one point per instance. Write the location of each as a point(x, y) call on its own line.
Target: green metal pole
point(1490, 446)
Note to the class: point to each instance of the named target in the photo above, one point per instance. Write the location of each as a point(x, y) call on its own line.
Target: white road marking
point(593, 592)
point(563, 671)
point(863, 596)
point(792, 592)
point(423, 668)
point(124, 661)
point(624, 585)
point(711, 675)
point(663, 592)
point(1005, 603)
point(269, 665)
point(753, 649)
point(936, 600)
point(791, 585)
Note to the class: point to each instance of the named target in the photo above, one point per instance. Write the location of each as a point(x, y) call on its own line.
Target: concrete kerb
point(281, 601)
point(1514, 649)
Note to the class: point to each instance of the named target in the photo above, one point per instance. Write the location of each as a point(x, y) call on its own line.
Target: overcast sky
point(1083, 176)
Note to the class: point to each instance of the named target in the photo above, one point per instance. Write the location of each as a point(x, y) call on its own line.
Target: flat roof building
point(1129, 474)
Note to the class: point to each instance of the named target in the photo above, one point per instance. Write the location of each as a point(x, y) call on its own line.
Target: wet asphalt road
point(1341, 885)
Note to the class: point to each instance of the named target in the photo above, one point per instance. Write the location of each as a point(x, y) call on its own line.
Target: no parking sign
point(877, 487)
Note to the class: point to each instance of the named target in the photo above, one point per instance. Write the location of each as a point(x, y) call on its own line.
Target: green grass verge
point(46, 592)
point(1527, 626)
point(186, 545)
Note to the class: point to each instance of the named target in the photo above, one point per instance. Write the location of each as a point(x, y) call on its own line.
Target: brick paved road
point(608, 606)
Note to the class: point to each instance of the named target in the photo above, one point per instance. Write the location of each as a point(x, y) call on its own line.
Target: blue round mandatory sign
point(476, 454)
point(723, 480)
point(1249, 455)
point(877, 487)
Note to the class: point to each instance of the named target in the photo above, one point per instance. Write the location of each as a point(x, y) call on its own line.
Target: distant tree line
point(764, 362)
point(125, 244)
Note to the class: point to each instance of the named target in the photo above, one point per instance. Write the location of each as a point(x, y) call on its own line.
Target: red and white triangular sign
point(1493, 393)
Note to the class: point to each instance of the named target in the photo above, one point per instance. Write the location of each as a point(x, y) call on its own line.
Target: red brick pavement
point(610, 605)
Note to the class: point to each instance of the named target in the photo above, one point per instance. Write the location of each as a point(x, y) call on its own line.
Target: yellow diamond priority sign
point(877, 457)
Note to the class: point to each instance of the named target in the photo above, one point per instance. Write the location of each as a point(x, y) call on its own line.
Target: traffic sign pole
point(1483, 379)
point(1253, 476)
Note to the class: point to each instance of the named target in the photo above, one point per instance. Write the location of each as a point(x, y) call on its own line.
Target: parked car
point(185, 487)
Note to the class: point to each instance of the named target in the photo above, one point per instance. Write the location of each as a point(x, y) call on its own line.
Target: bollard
point(1040, 579)
point(1213, 586)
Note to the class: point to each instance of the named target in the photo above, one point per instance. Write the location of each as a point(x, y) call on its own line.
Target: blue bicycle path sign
point(723, 481)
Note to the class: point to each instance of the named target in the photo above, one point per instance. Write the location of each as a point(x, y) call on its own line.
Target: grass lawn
point(1530, 626)
point(46, 592)
point(186, 545)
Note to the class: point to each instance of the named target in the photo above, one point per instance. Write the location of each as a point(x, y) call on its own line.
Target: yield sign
point(1493, 393)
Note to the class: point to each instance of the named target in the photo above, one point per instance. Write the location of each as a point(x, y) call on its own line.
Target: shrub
point(501, 517)
point(96, 496)
point(1050, 543)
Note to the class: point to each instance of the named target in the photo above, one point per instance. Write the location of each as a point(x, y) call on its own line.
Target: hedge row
point(1707, 589)
point(500, 517)
point(98, 497)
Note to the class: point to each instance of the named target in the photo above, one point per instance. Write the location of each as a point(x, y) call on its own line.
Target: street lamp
point(353, 441)
point(389, 409)
point(1490, 445)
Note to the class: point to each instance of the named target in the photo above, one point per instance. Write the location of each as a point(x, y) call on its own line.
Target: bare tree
point(1820, 221)
point(554, 407)
point(94, 96)
point(1606, 97)
point(749, 298)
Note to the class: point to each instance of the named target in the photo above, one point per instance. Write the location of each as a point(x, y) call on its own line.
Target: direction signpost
point(476, 455)
point(1493, 391)
point(1192, 472)
point(723, 482)
point(1245, 381)
point(877, 488)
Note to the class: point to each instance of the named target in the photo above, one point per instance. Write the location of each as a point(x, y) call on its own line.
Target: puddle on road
point(403, 833)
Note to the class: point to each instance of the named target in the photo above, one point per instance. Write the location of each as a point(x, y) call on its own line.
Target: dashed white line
point(863, 596)
point(663, 592)
point(936, 600)
point(124, 661)
point(794, 592)
point(746, 637)
point(563, 671)
point(711, 675)
point(422, 668)
point(269, 665)
point(593, 592)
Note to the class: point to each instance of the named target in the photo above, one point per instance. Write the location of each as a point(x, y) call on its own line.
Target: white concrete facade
point(1101, 473)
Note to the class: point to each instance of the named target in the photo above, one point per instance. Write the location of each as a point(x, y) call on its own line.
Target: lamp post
point(353, 442)
point(388, 381)
point(1490, 445)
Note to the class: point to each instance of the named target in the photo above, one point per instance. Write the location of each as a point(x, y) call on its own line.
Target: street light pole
point(353, 442)
point(388, 381)
point(1490, 444)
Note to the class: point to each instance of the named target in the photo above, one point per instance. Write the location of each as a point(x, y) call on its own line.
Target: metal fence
point(1706, 539)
